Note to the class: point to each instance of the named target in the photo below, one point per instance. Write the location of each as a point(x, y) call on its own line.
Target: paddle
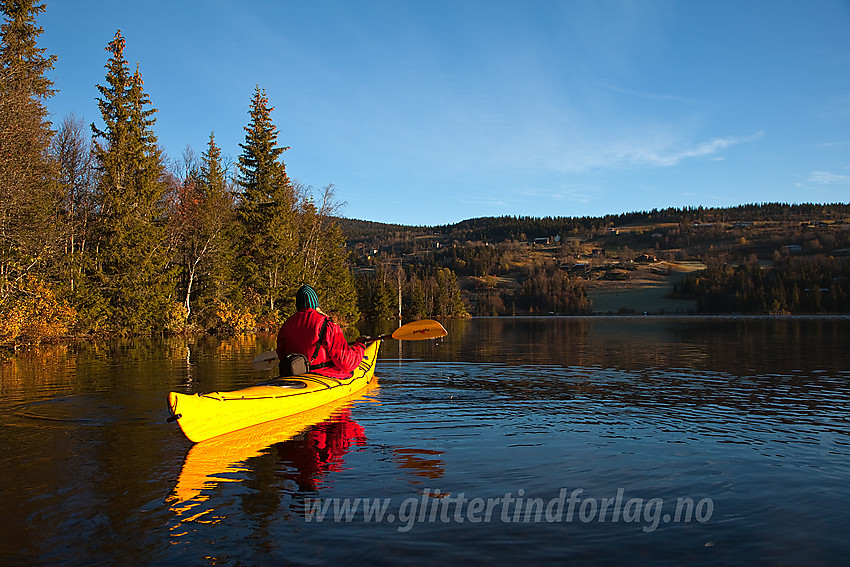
point(413, 331)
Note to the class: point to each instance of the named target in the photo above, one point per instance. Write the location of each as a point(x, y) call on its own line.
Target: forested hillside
point(523, 265)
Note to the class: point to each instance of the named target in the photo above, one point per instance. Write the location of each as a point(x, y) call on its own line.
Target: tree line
point(423, 292)
point(820, 284)
point(694, 225)
point(524, 228)
point(100, 234)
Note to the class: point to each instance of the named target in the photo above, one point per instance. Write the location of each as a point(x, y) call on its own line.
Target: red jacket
point(300, 333)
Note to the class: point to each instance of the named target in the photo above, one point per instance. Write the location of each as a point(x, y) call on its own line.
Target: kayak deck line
point(203, 416)
point(221, 398)
point(285, 392)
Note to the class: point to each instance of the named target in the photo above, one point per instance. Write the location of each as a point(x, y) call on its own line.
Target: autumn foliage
point(34, 313)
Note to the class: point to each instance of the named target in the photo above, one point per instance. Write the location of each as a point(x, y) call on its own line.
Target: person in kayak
point(312, 333)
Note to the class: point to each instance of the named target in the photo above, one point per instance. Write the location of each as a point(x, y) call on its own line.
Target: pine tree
point(131, 270)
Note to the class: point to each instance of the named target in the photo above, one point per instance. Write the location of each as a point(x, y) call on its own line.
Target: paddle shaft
point(368, 340)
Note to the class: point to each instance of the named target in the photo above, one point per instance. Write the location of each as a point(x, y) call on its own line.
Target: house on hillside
point(577, 268)
point(647, 258)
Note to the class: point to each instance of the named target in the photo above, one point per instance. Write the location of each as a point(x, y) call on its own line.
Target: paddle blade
point(420, 330)
point(265, 361)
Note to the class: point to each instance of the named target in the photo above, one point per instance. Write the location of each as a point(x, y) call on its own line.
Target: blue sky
point(431, 112)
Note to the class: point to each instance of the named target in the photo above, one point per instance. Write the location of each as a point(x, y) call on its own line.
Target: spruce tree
point(286, 240)
point(28, 196)
point(266, 212)
point(416, 300)
point(218, 281)
point(212, 171)
point(131, 267)
point(31, 227)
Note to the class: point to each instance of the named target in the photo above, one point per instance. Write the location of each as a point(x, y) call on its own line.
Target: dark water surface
point(612, 441)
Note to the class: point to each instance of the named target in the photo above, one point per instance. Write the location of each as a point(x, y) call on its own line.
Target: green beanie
point(306, 298)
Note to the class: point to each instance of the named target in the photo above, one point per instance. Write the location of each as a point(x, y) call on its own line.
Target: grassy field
point(646, 293)
point(648, 300)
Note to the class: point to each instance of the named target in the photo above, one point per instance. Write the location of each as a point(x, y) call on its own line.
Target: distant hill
point(626, 263)
point(497, 229)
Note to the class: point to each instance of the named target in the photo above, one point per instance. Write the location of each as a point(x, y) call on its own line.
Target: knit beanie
point(306, 298)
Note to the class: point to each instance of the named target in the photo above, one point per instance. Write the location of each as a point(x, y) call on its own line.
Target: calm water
point(542, 441)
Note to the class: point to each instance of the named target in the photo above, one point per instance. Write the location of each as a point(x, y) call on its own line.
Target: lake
point(546, 441)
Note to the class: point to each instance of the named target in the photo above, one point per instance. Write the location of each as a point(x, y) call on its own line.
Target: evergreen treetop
point(125, 149)
point(23, 62)
point(211, 170)
point(260, 172)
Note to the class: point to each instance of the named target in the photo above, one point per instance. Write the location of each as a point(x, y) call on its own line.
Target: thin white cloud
point(666, 157)
point(824, 178)
point(614, 151)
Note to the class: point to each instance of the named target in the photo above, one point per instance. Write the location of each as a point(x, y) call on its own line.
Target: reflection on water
point(329, 428)
point(749, 413)
point(308, 446)
point(422, 465)
point(721, 344)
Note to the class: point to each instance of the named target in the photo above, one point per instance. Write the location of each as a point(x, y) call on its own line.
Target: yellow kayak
point(204, 416)
point(219, 460)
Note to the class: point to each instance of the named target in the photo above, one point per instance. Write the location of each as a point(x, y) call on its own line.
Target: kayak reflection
point(313, 442)
point(320, 450)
